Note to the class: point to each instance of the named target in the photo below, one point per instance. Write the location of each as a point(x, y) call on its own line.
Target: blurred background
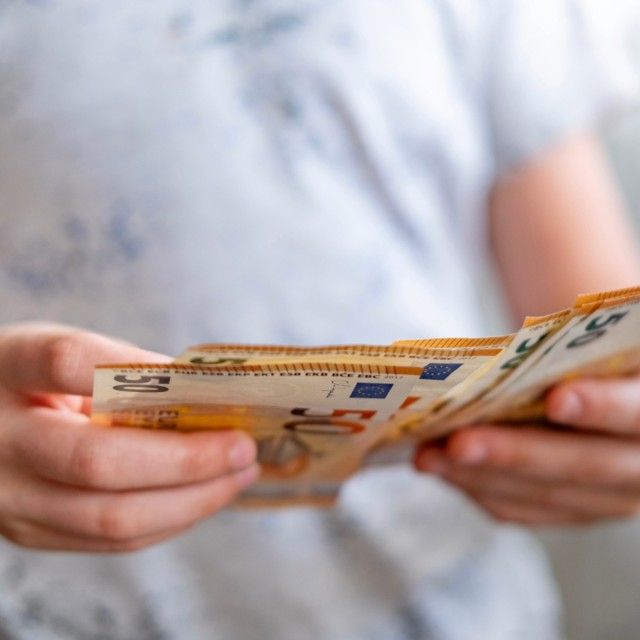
point(598, 569)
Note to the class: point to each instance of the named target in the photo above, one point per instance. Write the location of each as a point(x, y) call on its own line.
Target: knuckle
point(613, 407)
point(90, 465)
point(550, 496)
point(586, 470)
point(221, 499)
point(198, 462)
point(508, 455)
point(216, 498)
point(599, 410)
point(502, 448)
point(117, 523)
point(62, 358)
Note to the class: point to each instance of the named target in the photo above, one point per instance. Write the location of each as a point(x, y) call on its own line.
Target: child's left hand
point(586, 472)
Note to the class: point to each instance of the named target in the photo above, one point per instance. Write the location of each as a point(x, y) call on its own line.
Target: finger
point(70, 449)
point(122, 517)
point(49, 358)
point(605, 405)
point(580, 500)
point(508, 511)
point(543, 453)
point(33, 536)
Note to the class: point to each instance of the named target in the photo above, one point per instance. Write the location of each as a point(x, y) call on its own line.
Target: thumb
point(52, 358)
point(609, 404)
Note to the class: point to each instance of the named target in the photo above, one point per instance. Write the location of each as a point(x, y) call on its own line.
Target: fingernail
point(247, 476)
point(472, 453)
point(243, 453)
point(568, 409)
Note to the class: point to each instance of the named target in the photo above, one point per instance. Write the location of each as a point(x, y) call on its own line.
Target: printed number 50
point(596, 329)
point(143, 383)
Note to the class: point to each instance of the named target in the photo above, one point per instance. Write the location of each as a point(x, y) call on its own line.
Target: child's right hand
point(69, 484)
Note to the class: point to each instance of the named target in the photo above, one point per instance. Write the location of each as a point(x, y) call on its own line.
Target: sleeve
point(556, 67)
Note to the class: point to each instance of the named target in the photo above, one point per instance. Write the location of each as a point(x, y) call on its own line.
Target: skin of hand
point(69, 484)
point(585, 472)
point(558, 229)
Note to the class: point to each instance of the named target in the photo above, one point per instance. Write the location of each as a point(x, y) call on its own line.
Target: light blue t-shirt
point(281, 171)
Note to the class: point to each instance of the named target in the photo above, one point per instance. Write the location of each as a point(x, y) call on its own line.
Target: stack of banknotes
point(319, 414)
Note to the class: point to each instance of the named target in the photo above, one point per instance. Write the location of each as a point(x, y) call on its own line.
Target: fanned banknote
point(442, 368)
point(601, 340)
point(319, 414)
point(466, 404)
point(444, 364)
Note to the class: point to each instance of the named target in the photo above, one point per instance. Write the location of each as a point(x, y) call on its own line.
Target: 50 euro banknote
point(313, 422)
